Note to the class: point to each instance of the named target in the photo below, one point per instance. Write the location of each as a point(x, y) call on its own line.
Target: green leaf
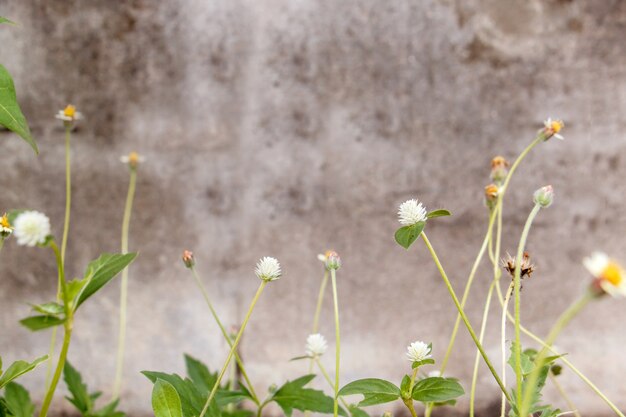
point(75, 286)
point(4, 409)
point(200, 374)
point(422, 362)
point(36, 323)
point(19, 368)
point(357, 412)
point(438, 213)
point(11, 115)
point(49, 309)
point(18, 400)
point(292, 395)
point(165, 400)
point(437, 389)
point(405, 236)
point(101, 271)
point(405, 385)
point(109, 410)
point(191, 397)
point(6, 21)
point(527, 363)
point(298, 358)
point(80, 395)
point(374, 391)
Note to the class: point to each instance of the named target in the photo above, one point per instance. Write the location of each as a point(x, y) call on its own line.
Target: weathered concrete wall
point(283, 128)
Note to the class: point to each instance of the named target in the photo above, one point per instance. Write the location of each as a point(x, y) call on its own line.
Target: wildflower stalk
point(318, 310)
point(517, 348)
point(67, 325)
point(333, 277)
point(328, 379)
point(409, 400)
point(224, 332)
point(560, 324)
point(128, 208)
point(462, 313)
point(233, 348)
point(483, 328)
point(566, 397)
point(505, 311)
point(563, 359)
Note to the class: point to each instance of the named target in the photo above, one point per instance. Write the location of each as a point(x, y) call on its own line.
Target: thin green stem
point(333, 276)
point(234, 348)
point(318, 310)
point(563, 394)
point(1, 243)
point(68, 191)
point(69, 320)
point(409, 401)
point(483, 328)
point(128, 209)
point(227, 337)
point(505, 310)
point(563, 359)
point(329, 380)
point(455, 299)
point(517, 281)
point(560, 324)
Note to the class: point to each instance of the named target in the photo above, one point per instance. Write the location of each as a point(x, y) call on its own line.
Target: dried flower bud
point(544, 196)
point(491, 195)
point(333, 261)
point(499, 169)
point(188, 259)
point(526, 267)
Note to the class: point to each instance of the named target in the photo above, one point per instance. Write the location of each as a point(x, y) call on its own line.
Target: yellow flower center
point(4, 222)
point(613, 274)
point(499, 161)
point(556, 126)
point(133, 158)
point(70, 111)
point(491, 191)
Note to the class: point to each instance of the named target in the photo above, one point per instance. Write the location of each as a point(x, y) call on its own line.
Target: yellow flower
point(552, 128)
point(132, 159)
point(5, 227)
point(608, 274)
point(69, 114)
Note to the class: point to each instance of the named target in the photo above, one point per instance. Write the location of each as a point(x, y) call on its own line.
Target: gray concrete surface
point(284, 128)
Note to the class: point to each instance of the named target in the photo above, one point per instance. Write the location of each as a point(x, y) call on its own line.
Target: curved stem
point(409, 401)
point(119, 369)
point(517, 347)
point(333, 276)
point(455, 299)
point(563, 359)
point(505, 310)
point(224, 333)
point(318, 310)
point(566, 397)
point(68, 191)
point(483, 328)
point(560, 324)
point(233, 348)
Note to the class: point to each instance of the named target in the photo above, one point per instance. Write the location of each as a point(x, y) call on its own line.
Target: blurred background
point(285, 128)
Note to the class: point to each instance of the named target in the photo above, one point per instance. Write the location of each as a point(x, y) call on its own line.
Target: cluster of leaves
point(175, 396)
point(529, 365)
point(99, 272)
point(16, 401)
point(83, 400)
point(11, 115)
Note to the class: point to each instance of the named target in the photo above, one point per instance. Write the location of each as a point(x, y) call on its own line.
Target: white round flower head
point(418, 351)
point(411, 212)
point(268, 269)
point(610, 275)
point(316, 345)
point(31, 228)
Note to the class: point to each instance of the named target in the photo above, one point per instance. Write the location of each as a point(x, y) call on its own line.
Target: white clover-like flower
point(316, 345)
point(31, 228)
point(553, 127)
point(418, 351)
point(69, 114)
point(411, 212)
point(609, 274)
point(132, 159)
point(268, 269)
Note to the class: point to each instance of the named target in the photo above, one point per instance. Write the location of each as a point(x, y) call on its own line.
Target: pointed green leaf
point(428, 361)
point(405, 236)
point(438, 213)
point(11, 115)
point(200, 374)
point(80, 395)
point(437, 389)
point(165, 400)
point(527, 363)
point(18, 400)
point(75, 286)
point(357, 412)
point(101, 271)
point(374, 391)
point(292, 395)
point(191, 397)
point(19, 368)
point(49, 309)
point(36, 323)
point(6, 21)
